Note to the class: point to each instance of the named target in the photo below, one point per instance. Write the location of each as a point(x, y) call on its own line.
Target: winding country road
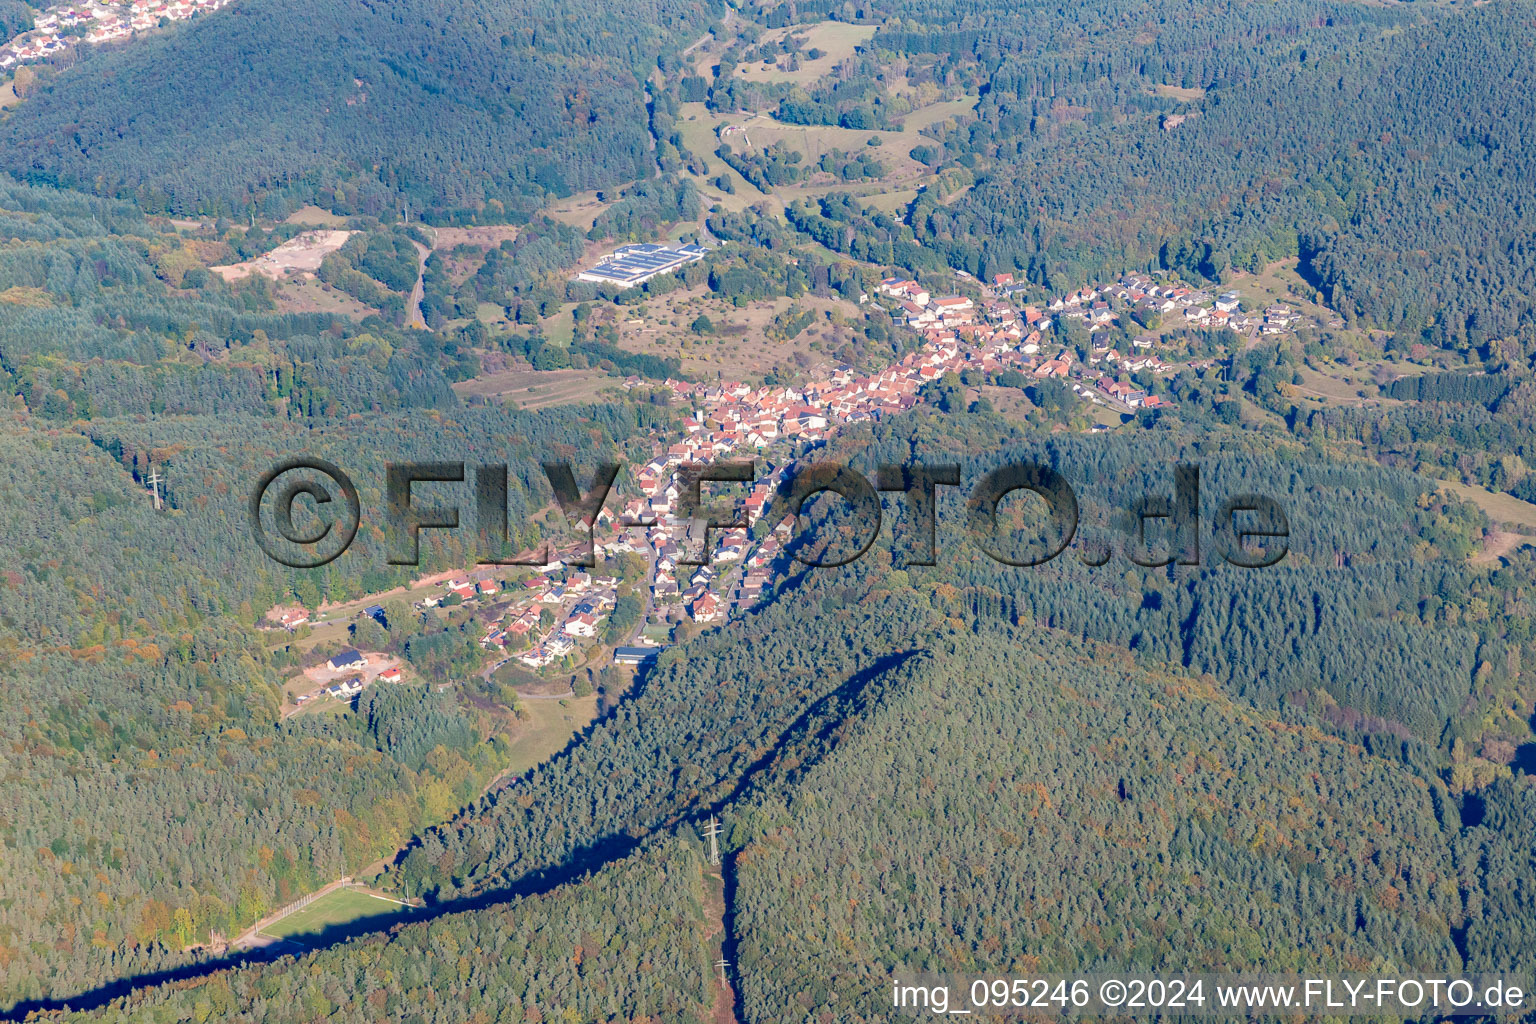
point(413, 317)
point(730, 16)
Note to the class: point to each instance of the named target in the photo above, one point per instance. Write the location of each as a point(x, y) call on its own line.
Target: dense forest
point(963, 767)
point(627, 944)
point(454, 112)
point(154, 799)
point(1388, 148)
point(903, 804)
point(1383, 113)
point(15, 17)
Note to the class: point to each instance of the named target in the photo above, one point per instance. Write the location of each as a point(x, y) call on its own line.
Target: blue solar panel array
point(632, 262)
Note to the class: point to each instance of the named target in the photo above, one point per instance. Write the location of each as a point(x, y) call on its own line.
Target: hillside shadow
point(333, 934)
point(793, 752)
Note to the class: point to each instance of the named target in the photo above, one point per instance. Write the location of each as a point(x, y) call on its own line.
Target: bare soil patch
point(485, 236)
point(302, 254)
point(538, 389)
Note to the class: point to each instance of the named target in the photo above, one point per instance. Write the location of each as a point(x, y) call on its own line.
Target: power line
point(712, 833)
point(154, 485)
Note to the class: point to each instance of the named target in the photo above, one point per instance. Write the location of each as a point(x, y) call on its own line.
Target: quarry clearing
point(301, 254)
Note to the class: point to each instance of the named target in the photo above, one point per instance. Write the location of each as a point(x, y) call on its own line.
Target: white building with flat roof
point(631, 265)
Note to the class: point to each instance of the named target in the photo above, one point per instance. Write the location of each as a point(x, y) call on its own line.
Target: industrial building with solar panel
point(632, 265)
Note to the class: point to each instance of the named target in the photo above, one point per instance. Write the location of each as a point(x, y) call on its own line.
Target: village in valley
point(557, 616)
point(59, 27)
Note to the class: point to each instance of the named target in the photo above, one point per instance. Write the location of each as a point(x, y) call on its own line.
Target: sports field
point(336, 908)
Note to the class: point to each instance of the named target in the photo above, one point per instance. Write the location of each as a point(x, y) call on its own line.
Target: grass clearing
point(1498, 544)
point(700, 130)
point(1010, 403)
point(310, 295)
point(485, 236)
point(890, 202)
point(547, 728)
point(538, 389)
point(835, 39)
point(314, 216)
point(335, 909)
point(1279, 282)
point(580, 210)
point(8, 97)
point(1501, 508)
point(1179, 92)
point(493, 315)
point(815, 141)
point(933, 113)
point(740, 346)
point(1105, 416)
point(1342, 387)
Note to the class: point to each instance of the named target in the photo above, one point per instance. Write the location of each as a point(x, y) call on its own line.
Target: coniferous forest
point(964, 767)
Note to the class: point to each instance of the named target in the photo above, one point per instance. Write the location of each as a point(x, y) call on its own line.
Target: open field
point(303, 253)
point(334, 909)
point(331, 625)
point(547, 728)
point(1342, 387)
point(933, 113)
point(740, 344)
point(1179, 92)
point(312, 681)
point(815, 141)
point(8, 97)
point(1279, 282)
point(485, 236)
point(309, 295)
point(890, 202)
point(314, 216)
point(1500, 543)
point(1104, 416)
point(1501, 508)
point(1011, 403)
point(535, 389)
point(837, 41)
point(700, 127)
point(493, 315)
point(579, 210)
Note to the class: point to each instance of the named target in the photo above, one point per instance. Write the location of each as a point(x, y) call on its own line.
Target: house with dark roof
point(346, 659)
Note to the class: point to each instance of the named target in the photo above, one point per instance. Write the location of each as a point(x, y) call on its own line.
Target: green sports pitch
point(335, 909)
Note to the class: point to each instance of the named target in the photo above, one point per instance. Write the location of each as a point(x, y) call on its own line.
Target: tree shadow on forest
point(798, 747)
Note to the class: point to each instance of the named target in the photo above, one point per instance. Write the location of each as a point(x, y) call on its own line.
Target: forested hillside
point(154, 798)
point(1363, 646)
point(1016, 807)
point(1320, 765)
point(456, 111)
point(1388, 147)
point(912, 816)
point(628, 943)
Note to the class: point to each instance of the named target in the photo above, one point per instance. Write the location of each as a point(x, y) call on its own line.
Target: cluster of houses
point(996, 336)
point(95, 21)
point(581, 601)
point(1191, 307)
point(292, 618)
point(675, 546)
point(959, 334)
point(355, 662)
point(712, 574)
